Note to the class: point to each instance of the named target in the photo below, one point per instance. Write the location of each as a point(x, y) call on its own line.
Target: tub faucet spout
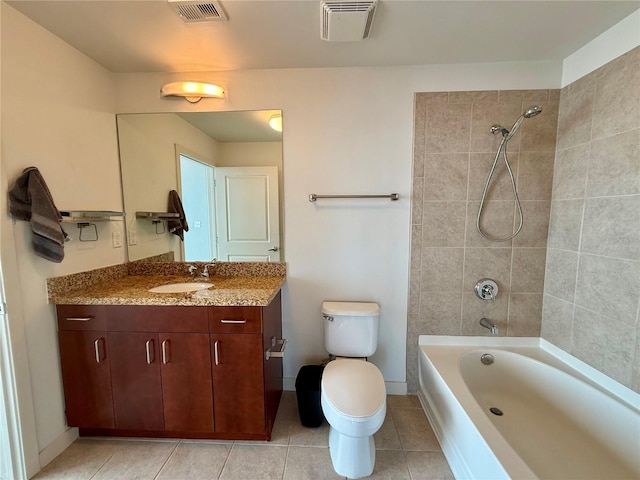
point(492, 327)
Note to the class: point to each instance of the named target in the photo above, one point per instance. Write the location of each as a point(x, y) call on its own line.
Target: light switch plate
point(116, 239)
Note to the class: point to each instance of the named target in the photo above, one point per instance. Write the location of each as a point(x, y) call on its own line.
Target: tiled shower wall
point(592, 286)
point(453, 153)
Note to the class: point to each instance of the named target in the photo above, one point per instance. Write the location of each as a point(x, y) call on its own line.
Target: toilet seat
point(353, 397)
point(354, 388)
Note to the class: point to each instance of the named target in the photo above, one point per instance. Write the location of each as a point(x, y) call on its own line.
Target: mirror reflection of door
point(247, 214)
point(196, 192)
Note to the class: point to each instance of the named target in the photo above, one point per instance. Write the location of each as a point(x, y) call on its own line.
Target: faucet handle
point(192, 269)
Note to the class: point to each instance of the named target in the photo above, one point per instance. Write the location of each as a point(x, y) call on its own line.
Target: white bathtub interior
point(562, 419)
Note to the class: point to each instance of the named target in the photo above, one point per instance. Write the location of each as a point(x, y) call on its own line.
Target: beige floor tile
point(414, 430)
point(387, 437)
point(81, 460)
point(136, 460)
point(402, 401)
point(309, 463)
point(428, 466)
point(195, 461)
point(254, 462)
point(390, 465)
point(309, 437)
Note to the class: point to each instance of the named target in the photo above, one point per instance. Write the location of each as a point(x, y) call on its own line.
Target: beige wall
point(592, 287)
point(453, 153)
point(58, 115)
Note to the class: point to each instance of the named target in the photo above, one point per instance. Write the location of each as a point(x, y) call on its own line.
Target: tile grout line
point(168, 458)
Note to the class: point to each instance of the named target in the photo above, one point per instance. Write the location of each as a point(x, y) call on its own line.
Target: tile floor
point(406, 449)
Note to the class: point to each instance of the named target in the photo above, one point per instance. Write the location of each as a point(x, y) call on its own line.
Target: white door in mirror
point(248, 214)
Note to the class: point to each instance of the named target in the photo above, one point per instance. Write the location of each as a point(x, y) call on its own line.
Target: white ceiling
point(148, 36)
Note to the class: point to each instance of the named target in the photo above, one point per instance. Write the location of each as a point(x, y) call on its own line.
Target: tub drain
point(496, 411)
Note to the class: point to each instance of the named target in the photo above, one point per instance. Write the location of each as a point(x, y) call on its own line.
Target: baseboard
point(55, 448)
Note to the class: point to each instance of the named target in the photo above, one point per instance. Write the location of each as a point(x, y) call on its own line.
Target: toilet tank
point(350, 328)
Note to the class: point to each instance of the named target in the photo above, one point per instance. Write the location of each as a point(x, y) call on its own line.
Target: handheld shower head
point(532, 111)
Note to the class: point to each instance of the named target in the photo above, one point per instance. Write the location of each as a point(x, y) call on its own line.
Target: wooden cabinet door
point(238, 383)
point(86, 378)
point(135, 378)
point(186, 382)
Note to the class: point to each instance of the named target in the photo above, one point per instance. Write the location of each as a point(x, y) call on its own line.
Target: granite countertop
point(236, 285)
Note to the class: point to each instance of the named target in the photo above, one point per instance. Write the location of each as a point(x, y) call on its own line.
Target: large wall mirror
point(227, 170)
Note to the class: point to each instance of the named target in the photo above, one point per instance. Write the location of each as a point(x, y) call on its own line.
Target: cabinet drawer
point(235, 319)
point(81, 317)
point(148, 318)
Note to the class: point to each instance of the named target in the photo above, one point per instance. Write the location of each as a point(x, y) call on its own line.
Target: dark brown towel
point(178, 225)
point(30, 200)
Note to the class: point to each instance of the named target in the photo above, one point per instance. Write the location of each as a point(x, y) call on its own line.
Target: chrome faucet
point(489, 325)
point(205, 271)
point(192, 270)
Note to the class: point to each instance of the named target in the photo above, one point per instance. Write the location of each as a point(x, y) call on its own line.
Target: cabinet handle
point(165, 357)
point(79, 319)
point(216, 353)
point(233, 321)
point(96, 346)
point(147, 346)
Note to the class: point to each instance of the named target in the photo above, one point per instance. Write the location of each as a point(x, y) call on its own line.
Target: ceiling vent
point(194, 11)
point(346, 21)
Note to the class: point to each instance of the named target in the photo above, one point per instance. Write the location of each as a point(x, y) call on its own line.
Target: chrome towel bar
point(392, 196)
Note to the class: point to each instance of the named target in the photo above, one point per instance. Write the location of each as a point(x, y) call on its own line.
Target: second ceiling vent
point(195, 11)
point(346, 21)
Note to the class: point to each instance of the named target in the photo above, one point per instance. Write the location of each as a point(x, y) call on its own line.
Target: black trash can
point(308, 395)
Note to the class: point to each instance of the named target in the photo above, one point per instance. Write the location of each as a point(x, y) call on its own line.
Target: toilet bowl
point(353, 399)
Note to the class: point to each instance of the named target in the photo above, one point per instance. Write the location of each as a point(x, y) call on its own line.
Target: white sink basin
point(180, 287)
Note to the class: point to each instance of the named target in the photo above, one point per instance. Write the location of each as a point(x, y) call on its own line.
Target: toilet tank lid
point(354, 309)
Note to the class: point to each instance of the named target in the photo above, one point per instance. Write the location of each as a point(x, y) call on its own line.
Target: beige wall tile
point(525, 315)
point(539, 132)
point(484, 96)
point(448, 128)
point(565, 224)
point(446, 176)
point(609, 286)
point(617, 98)
point(500, 187)
point(557, 322)
point(483, 116)
point(443, 224)
point(416, 201)
point(535, 225)
point(561, 273)
point(496, 221)
point(605, 343)
point(611, 227)
point(494, 263)
point(614, 165)
point(535, 175)
point(442, 269)
point(440, 312)
point(570, 172)
point(574, 118)
point(527, 270)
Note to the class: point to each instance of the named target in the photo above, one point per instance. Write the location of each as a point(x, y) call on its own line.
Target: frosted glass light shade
point(275, 122)
point(192, 91)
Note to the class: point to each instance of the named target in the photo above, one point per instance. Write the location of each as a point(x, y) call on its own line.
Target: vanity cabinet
point(170, 371)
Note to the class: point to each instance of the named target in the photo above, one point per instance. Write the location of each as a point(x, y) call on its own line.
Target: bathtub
point(555, 417)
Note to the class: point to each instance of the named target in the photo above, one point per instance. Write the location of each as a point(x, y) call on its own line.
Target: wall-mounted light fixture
point(275, 122)
point(192, 91)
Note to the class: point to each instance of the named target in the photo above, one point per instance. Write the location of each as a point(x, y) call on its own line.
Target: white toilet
point(353, 394)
